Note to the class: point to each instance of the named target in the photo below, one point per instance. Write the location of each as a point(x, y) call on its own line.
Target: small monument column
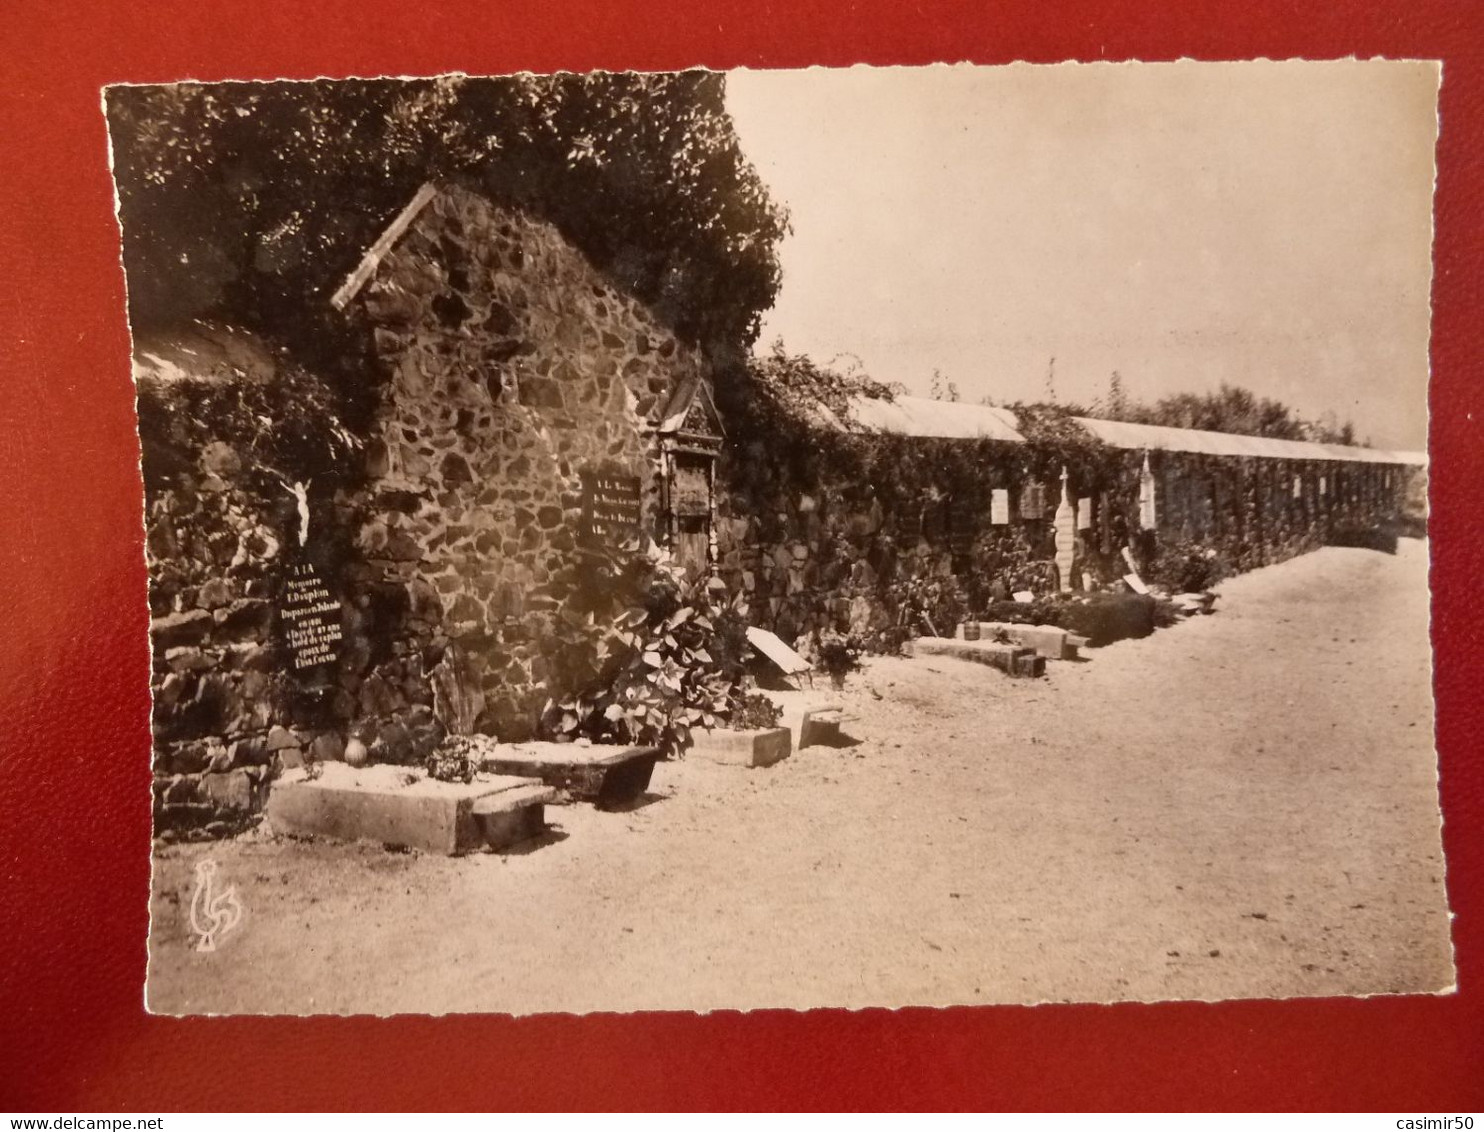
point(1063, 526)
point(1148, 515)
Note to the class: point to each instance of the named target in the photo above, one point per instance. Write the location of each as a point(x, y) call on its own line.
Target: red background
point(74, 784)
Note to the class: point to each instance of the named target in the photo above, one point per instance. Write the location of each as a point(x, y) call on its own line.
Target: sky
point(1267, 224)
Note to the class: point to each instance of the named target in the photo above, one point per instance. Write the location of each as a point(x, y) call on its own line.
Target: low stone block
point(232, 790)
point(1010, 659)
point(742, 748)
point(603, 775)
point(1028, 664)
point(395, 806)
point(513, 815)
point(821, 727)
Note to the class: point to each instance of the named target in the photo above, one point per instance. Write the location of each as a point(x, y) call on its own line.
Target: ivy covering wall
point(830, 528)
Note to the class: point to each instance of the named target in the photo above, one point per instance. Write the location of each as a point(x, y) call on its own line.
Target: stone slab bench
point(399, 806)
point(813, 717)
point(1014, 660)
point(820, 726)
point(605, 775)
point(1047, 640)
point(742, 748)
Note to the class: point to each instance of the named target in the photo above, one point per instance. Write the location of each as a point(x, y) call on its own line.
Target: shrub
point(1104, 618)
point(755, 712)
point(1187, 567)
point(1166, 613)
point(666, 664)
point(920, 602)
point(455, 761)
point(1042, 611)
point(1100, 617)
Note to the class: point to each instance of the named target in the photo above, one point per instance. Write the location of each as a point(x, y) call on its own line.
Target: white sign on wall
point(999, 506)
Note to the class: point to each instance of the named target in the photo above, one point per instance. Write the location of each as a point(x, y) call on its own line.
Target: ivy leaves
point(664, 673)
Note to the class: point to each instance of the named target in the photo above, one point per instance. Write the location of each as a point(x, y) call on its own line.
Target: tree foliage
point(1230, 409)
point(255, 199)
point(796, 386)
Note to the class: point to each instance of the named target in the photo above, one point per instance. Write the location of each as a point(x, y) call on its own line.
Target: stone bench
point(508, 817)
point(741, 748)
point(1047, 640)
point(395, 805)
point(820, 727)
point(605, 775)
point(1013, 660)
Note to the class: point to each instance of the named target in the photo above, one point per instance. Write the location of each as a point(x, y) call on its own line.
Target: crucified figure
point(299, 489)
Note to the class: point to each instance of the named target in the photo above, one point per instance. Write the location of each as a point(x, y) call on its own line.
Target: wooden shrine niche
point(690, 436)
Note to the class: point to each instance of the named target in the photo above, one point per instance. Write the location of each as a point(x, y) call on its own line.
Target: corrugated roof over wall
point(1123, 434)
point(922, 416)
point(203, 351)
point(955, 420)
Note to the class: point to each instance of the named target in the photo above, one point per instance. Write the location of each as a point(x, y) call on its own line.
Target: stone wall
point(510, 367)
point(225, 716)
point(843, 532)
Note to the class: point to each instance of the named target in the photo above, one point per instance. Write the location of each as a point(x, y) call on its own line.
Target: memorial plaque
point(309, 620)
point(610, 507)
point(999, 506)
point(1033, 500)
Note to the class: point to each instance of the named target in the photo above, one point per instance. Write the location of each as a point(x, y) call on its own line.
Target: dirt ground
point(1244, 805)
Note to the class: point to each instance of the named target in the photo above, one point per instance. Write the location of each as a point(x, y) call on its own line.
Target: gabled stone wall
point(510, 368)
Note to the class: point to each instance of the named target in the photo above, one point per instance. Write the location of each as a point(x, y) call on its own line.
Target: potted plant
point(837, 655)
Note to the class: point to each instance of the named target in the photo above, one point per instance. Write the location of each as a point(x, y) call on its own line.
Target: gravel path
point(1241, 806)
